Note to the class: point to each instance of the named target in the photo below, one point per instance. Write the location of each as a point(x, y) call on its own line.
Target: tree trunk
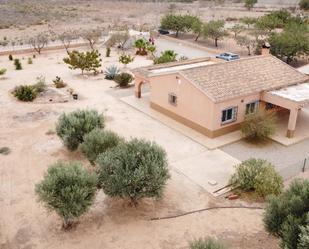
point(198, 36)
point(249, 50)
point(177, 32)
point(66, 223)
point(216, 42)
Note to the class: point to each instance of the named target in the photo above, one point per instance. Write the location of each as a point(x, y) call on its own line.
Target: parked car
point(228, 56)
point(163, 32)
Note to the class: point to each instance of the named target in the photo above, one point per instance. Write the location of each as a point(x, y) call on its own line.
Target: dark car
point(163, 32)
point(228, 56)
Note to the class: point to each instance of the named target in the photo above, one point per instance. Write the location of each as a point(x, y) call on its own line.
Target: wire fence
point(295, 169)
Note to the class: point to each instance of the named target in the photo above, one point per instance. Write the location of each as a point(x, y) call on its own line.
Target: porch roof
point(297, 93)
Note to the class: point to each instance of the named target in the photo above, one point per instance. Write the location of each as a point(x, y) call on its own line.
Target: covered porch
point(293, 103)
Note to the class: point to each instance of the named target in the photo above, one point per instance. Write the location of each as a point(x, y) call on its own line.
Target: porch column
point(138, 91)
point(292, 123)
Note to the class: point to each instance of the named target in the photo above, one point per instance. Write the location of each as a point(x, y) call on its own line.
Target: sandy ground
point(110, 223)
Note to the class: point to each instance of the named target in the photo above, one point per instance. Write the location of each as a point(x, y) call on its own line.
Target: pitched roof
point(228, 80)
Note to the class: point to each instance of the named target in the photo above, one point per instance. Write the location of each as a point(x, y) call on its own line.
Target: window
point(252, 107)
point(229, 115)
point(172, 99)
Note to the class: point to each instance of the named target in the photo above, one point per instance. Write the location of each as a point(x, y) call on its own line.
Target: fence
point(295, 169)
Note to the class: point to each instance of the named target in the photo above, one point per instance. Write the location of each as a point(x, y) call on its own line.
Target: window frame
point(234, 115)
point(172, 96)
point(256, 107)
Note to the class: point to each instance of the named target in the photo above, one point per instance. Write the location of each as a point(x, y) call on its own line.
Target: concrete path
point(181, 49)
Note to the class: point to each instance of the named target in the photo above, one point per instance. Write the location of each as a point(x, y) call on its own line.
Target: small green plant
point(134, 170)
point(5, 150)
point(257, 175)
point(259, 125)
point(17, 64)
point(40, 85)
point(59, 83)
point(25, 93)
point(108, 52)
point(10, 57)
point(125, 59)
point(165, 57)
point(30, 60)
point(111, 72)
point(123, 79)
point(2, 71)
point(67, 189)
point(98, 141)
point(72, 127)
point(207, 243)
point(286, 215)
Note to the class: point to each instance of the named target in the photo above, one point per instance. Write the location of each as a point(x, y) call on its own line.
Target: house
point(214, 97)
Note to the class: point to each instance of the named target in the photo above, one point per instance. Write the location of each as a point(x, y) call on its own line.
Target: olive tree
point(246, 41)
point(72, 127)
point(215, 30)
point(67, 189)
point(92, 36)
point(133, 170)
point(67, 37)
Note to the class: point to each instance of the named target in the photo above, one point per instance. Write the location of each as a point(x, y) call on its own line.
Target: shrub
point(123, 79)
point(10, 57)
point(165, 57)
point(40, 85)
point(259, 125)
point(111, 72)
point(25, 93)
point(303, 242)
point(72, 127)
point(30, 60)
point(68, 189)
point(125, 59)
point(134, 170)
point(108, 52)
point(5, 150)
point(59, 83)
point(207, 243)
point(257, 175)
point(304, 4)
point(98, 141)
point(17, 64)
point(2, 71)
point(287, 213)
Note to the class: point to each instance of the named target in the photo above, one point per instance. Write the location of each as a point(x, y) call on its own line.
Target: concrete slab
point(301, 131)
point(142, 105)
point(211, 169)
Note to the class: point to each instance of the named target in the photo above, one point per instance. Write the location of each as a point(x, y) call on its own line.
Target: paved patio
point(301, 131)
point(143, 105)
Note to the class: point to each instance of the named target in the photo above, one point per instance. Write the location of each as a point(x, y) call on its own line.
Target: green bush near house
point(259, 125)
point(2, 71)
point(287, 215)
point(133, 170)
point(259, 176)
point(72, 127)
point(207, 243)
point(17, 64)
point(123, 79)
point(67, 189)
point(98, 141)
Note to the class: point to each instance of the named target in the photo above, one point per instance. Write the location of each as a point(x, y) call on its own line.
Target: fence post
point(304, 166)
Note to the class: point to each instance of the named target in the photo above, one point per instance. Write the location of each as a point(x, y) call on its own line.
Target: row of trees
point(132, 169)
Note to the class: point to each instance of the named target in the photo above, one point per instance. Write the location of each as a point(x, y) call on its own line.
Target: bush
point(10, 57)
point(108, 52)
point(165, 57)
point(304, 236)
point(286, 214)
point(123, 79)
point(30, 60)
point(59, 83)
point(98, 141)
point(17, 64)
point(40, 85)
point(134, 170)
point(125, 59)
point(5, 150)
point(111, 72)
point(304, 4)
point(257, 175)
point(72, 127)
point(259, 125)
point(25, 93)
point(2, 71)
point(208, 243)
point(68, 189)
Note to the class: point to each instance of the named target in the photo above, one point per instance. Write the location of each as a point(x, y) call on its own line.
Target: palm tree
point(141, 45)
